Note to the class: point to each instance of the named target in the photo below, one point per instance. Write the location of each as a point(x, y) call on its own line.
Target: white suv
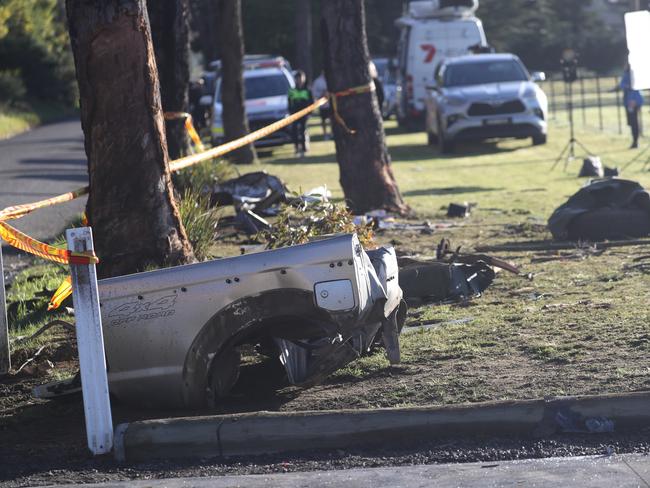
point(267, 82)
point(485, 96)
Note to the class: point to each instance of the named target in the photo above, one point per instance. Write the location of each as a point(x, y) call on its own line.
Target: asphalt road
point(631, 471)
point(38, 164)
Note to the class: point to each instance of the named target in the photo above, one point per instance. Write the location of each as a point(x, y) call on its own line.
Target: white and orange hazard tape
point(25, 243)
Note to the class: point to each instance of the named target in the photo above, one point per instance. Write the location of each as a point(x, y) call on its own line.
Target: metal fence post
point(553, 100)
point(582, 101)
point(600, 103)
point(90, 342)
point(5, 356)
point(618, 106)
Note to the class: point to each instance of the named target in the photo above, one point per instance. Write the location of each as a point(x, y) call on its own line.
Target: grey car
point(485, 96)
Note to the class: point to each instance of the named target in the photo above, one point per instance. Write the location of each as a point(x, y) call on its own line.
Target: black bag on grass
point(605, 209)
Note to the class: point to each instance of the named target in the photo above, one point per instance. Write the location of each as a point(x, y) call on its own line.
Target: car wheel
point(445, 146)
point(432, 139)
point(539, 139)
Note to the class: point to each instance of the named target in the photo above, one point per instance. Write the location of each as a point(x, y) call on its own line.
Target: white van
point(431, 31)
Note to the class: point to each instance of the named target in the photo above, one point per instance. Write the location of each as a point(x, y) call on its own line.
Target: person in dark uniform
point(632, 101)
point(300, 97)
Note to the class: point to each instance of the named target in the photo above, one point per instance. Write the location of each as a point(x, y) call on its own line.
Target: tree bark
point(131, 205)
point(364, 163)
point(303, 31)
point(231, 47)
point(203, 15)
point(169, 20)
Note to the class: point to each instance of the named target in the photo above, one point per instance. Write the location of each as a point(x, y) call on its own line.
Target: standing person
point(300, 97)
point(632, 101)
point(319, 89)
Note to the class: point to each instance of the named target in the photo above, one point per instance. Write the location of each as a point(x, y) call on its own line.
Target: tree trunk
point(170, 34)
point(131, 204)
point(231, 47)
point(365, 171)
point(304, 37)
point(203, 14)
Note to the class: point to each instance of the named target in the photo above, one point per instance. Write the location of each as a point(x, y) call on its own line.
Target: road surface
point(38, 164)
point(629, 471)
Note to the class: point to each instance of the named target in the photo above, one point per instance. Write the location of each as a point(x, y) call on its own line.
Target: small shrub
point(12, 87)
point(201, 177)
point(299, 224)
point(200, 222)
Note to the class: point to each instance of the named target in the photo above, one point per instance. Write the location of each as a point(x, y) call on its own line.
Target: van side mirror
point(538, 76)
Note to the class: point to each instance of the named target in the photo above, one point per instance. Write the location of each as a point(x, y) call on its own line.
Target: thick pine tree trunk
point(203, 17)
point(365, 171)
point(303, 31)
point(171, 43)
point(231, 47)
point(131, 205)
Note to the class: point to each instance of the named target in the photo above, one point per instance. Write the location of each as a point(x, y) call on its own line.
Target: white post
point(5, 356)
point(90, 342)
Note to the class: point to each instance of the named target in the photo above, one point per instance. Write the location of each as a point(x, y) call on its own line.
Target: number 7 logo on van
point(430, 51)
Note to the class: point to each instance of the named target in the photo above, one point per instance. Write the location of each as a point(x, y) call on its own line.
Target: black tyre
point(539, 139)
point(446, 146)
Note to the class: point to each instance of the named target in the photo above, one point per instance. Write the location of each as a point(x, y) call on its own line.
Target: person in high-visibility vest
point(299, 98)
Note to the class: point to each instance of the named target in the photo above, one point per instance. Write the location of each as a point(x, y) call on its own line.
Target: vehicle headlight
point(452, 119)
point(454, 101)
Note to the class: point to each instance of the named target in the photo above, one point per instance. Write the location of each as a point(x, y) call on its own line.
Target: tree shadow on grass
point(448, 191)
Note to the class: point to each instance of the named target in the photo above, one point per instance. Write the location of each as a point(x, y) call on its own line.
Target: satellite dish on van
point(442, 8)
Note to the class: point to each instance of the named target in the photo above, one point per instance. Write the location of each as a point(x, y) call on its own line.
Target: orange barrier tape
point(62, 292)
point(21, 241)
point(18, 211)
point(25, 243)
point(356, 90)
point(218, 151)
point(189, 127)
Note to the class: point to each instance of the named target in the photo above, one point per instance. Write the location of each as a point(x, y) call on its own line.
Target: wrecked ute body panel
point(172, 335)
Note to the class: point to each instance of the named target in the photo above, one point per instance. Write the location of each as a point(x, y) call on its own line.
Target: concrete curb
point(274, 432)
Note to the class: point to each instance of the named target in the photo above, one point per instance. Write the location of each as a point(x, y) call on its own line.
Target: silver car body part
point(173, 335)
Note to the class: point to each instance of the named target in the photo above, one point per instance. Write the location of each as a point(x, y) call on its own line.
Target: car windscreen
point(264, 86)
point(479, 73)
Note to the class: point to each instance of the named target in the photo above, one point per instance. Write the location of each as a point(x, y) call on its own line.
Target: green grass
point(14, 120)
point(576, 326)
point(579, 327)
point(508, 172)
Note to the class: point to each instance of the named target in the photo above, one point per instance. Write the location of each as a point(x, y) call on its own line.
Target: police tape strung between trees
point(25, 243)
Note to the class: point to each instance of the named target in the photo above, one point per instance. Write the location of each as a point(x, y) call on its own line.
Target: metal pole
point(5, 355)
point(618, 106)
point(90, 343)
point(641, 122)
point(582, 101)
point(600, 103)
point(553, 100)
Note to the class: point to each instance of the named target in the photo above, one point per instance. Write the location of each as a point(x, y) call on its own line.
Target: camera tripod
point(638, 157)
point(569, 151)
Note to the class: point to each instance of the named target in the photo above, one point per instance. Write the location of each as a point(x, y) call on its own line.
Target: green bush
point(201, 177)
point(200, 222)
point(301, 223)
point(12, 87)
point(34, 42)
